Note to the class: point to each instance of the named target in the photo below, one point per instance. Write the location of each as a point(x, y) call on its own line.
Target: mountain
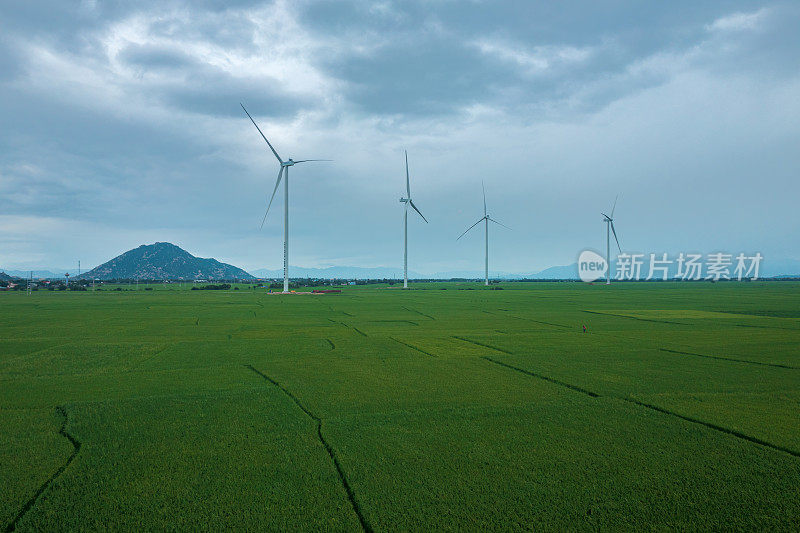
point(557, 272)
point(5, 277)
point(163, 261)
point(43, 273)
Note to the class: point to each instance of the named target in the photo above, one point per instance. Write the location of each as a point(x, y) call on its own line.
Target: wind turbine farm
point(407, 201)
point(282, 173)
point(609, 220)
point(485, 219)
point(192, 374)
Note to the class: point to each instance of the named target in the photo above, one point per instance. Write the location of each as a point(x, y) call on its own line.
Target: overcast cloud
point(120, 125)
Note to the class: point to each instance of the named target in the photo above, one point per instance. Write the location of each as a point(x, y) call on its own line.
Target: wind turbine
point(407, 200)
point(609, 220)
point(282, 173)
point(485, 219)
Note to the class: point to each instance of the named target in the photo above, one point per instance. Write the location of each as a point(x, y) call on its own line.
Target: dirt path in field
point(76, 445)
point(345, 483)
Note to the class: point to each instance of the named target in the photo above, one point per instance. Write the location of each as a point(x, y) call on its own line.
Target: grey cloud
point(149, 144)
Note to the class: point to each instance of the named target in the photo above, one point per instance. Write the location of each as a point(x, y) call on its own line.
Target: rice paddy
point(445, 407)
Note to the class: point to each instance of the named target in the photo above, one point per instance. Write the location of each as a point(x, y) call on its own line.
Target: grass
point(449, 407)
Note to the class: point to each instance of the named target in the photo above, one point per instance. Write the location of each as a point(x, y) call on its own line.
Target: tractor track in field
point(721, 358)
point(76, 446)
point(710, 425)
point(342, 477)
point(543, 377)
point(637, 318)
point(541, 322)
point(333, 346)
point(484, 345)
point(662, 410)
point(348, 327)
point(418, 312)
point(413, 347)
point(398, 321)
point(358, 331)
point(764, 327)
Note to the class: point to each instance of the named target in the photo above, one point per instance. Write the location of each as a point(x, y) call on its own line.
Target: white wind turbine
point(407, 201)
point(283, 172)
point(485, 219)
point(609, 220)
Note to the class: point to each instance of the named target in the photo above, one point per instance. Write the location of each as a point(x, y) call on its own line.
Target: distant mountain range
point(350, 272)
point(49, 273)
point(164, 261)
point(769, 269)
point(339, 272)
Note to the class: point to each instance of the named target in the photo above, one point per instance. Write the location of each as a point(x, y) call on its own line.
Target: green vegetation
point(446, 407)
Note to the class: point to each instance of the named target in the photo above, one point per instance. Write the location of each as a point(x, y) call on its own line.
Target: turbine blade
point(307, 160)
point(615, 205)
point(408, 184)
point(418, 211)
point(469, 228)
point(496, 222)
point(615, 236)
point(280, 175)
point(484, 198)
point(262, 135)
point(605, 217)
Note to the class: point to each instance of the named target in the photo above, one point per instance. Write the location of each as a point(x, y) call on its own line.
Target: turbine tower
point(609, 220)
point(485, 219)
point(282, 173)
point(407, 200)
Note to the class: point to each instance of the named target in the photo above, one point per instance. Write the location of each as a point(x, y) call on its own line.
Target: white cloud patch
point(536, 60)
point(737, 22)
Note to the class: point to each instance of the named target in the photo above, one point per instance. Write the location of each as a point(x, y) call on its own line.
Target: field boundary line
point(711, 425)
point(543, 377)
point(477, 343)
point(346, 484)
point(636, 318)
point(76, 446)
point(719, 357)
point(413, 347)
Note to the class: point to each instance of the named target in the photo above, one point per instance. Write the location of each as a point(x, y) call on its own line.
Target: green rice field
point(447, 407)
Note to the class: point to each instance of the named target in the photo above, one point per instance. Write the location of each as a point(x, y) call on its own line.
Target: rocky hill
point(164, 261)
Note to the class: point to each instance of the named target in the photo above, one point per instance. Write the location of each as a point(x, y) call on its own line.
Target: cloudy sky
point(120, 125)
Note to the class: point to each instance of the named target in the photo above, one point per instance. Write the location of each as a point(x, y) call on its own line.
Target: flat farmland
point(445, 407)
